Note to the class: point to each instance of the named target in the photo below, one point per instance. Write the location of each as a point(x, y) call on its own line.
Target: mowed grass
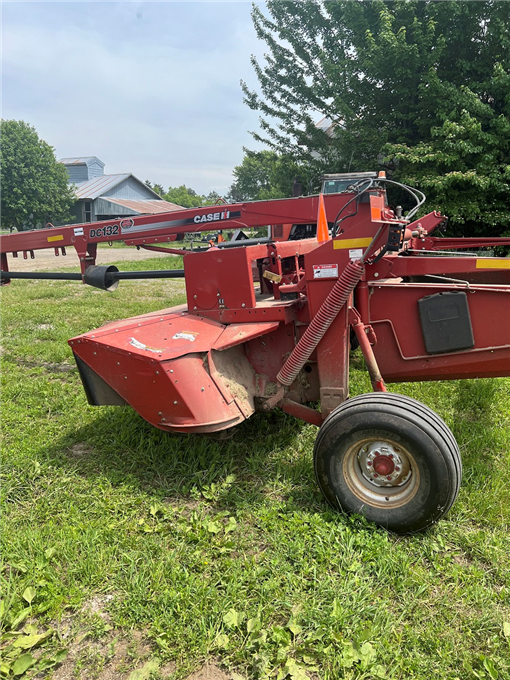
point(225, 551)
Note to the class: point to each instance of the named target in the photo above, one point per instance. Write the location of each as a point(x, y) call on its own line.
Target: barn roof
point(95, 187)
point(147, 207)
point(80, 160)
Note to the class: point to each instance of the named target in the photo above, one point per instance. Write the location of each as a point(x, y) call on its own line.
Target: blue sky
point(150, 88)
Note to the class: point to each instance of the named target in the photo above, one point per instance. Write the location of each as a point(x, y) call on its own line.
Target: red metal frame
point(263, 325)
point(146, 230)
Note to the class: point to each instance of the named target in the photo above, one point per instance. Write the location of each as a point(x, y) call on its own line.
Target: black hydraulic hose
point(243, 242)
point(52, 276)
point(156, 274)
point(418, 196)
point(361, 190)
point(114, 276)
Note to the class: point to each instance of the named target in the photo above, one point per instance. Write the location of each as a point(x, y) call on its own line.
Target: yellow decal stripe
point(492, 263)
point(343, 244)
point(50, 239)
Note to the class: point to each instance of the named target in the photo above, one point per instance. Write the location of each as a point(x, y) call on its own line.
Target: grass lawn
point(130, 553)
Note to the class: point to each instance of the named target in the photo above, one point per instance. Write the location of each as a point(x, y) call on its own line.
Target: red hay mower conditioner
point(268, 323)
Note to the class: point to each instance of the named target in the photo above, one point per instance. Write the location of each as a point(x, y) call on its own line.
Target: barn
point(106, 197)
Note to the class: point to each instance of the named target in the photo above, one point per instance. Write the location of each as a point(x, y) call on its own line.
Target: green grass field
point(130, 553)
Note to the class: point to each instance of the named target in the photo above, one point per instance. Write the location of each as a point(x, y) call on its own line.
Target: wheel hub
point(383, 464)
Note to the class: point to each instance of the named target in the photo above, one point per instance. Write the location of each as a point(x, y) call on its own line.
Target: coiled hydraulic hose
point(321, 322)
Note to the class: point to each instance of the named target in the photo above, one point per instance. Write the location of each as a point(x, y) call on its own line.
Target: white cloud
point(151, 88)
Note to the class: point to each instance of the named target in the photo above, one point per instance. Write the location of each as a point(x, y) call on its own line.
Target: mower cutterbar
point(269, 325)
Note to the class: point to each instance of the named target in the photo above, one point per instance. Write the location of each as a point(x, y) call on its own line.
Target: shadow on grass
point(269, 456)
point(477, 423)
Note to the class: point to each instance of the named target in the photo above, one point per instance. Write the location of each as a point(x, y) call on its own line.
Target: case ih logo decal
point(223, 215)
point(212, 217)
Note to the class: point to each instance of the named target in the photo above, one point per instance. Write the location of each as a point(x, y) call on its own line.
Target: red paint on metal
point(147, 229)
point(305, 413)
point(160, 365)
point(331, 306)
point(235, 334)
point(209, 365)
point(401, 353)
point(366, 338)
point(383, 465)
point(3, 264)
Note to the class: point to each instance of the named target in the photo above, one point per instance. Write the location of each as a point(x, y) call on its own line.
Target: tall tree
point(418, 86)
point(464, 166)
point(212, 198)
point(265, 175)
point(183, 196)
point(155, 187)
point(35, 187)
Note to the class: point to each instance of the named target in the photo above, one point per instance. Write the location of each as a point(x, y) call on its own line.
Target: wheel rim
point(381, 472)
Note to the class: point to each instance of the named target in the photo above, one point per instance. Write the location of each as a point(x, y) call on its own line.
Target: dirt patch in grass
point(96, 604)
point(113, 657)
point(185, 506)
point(167, 670)
point(463, 560)
point(97, 651)
point(118, 657)
point(209, 671)
point(79, 451)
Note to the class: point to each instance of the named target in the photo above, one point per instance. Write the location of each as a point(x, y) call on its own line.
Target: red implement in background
point(270, 324)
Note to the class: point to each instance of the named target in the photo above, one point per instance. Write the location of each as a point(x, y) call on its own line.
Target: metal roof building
point(105, 197)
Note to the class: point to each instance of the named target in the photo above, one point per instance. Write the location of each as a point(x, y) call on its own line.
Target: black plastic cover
point(446, 322)
point(98, 392)
point(100, 276)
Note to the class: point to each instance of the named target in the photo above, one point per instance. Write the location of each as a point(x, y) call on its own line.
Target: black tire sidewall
point(433, 495)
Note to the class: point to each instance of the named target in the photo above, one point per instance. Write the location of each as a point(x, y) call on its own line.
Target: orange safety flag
point(322, 222)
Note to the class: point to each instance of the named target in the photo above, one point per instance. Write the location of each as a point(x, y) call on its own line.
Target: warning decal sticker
point(140, 345)
point(325, 271)
point(356, 254)
point(185, 335)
